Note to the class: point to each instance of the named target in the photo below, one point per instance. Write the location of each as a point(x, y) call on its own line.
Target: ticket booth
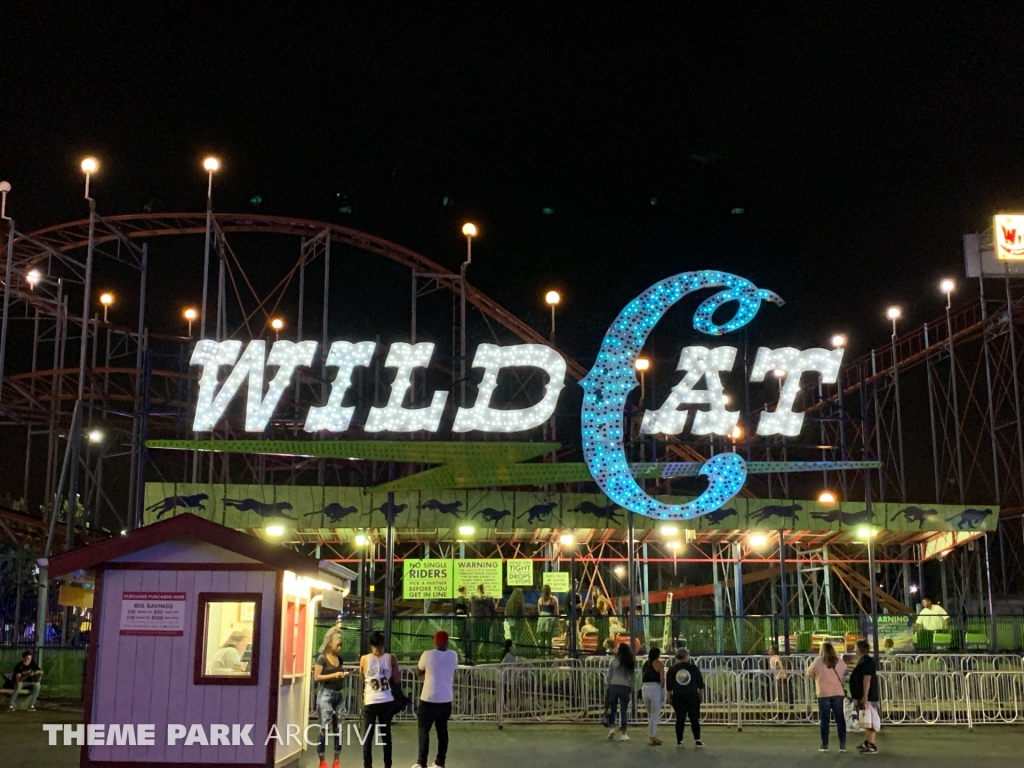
point(201, 645)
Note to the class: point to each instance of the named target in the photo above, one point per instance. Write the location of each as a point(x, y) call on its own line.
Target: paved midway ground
point(23, 745)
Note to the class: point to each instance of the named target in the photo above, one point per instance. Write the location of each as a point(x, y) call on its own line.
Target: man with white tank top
point(380, 672)
point(437, 668)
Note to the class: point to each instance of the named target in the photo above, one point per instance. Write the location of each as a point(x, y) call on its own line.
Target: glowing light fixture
point(90, 165)
point(33, 278)
point(567, 539)
point(839, 341)
point(274, 530)
point(669, 530)
point(106, 299)
point(361, 540)
point(827, 497)
point(95, 436)
point(277, 323)
point(757, 540)
point(894, 313)
point(947, 286)
point(190, 314)
point(866, 532)
point(913, 589)
point(620, 571)
point(211, 165)
point(469, 229)
point(642, 364)
point(552, 297)
point(674, 545)
point(466, 530)
point(737, 433)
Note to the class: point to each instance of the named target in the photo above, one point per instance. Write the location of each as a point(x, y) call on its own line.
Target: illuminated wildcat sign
point(606, 388)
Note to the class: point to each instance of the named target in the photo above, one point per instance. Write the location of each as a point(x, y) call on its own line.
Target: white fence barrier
point(574, 693)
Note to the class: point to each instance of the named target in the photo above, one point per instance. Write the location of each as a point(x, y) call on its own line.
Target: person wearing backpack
point(828, 672)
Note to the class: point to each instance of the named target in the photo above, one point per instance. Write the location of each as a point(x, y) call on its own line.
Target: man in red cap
point(437, 668)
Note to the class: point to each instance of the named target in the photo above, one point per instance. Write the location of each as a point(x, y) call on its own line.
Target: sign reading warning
point(472, 573)
point(153, 614)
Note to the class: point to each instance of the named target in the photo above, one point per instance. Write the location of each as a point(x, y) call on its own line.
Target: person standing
point(460, 610)
point(931, 617)
point(437, 668)
point(26, 679)
point(865, 693)
point(379, 671)
point(686, 687)
point(547, 617)
point(620, 679)
point(515, 609)
point(329, 673)
point(652, 677)
point(828, 672)
point(484, 614)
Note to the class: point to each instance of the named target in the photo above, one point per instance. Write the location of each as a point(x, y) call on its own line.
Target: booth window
point(227, 638)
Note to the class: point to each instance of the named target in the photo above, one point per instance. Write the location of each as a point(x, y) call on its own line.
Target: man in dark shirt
point(26, 678)
point(686, 687)
point(460, 609)
point(864, 691)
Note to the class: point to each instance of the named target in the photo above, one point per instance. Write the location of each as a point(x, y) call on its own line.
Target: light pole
point(211, 165)
point(642, 365)
point(190, 315)
point(107, 300)
point(552, 298)
point(470, 231)
point(894, 313)
point(277, 324)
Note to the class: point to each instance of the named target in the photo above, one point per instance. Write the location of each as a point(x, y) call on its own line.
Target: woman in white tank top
point(380, 672)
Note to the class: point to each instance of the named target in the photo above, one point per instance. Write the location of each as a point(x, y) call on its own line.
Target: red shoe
point(336, 763)
point(323, 763)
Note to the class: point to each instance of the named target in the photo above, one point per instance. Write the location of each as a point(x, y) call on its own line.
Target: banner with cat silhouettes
point(311, 507)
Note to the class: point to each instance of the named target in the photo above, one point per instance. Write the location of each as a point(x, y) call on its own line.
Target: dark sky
point(859, 142)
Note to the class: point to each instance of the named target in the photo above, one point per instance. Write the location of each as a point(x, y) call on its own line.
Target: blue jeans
point(618, 698)
point(21, 688)
point(827, 707)
point(330, 711)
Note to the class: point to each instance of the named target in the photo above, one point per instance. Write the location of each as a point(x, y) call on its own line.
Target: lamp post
point(552, 298)
point(211, 165)
point(470, 231)
point(107, 300)
point(277, 324)
point(894, 313)
point(190, 315)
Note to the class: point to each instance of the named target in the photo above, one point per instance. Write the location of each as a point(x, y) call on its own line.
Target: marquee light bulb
point(345, 356)
point(552, 297)
point(90, 165)
point(469, 229)
point(493, 359)
point(698, 363)
point(394, 417)
point(211, 164)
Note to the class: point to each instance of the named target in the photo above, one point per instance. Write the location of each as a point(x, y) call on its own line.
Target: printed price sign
point(557, 580)
point(519, 573)
point(153, 614)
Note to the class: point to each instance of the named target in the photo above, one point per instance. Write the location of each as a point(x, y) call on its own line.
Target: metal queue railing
point(739, 691)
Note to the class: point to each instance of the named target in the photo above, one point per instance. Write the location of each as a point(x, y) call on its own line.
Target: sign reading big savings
point(606, 387)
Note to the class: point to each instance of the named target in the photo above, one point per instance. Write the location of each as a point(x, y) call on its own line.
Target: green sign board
point(427, 579)
point(473, 573)
point(519, 573)
point(557, 580)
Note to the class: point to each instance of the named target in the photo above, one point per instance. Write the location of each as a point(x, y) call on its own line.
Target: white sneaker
point(611, 733)
point(623, 737)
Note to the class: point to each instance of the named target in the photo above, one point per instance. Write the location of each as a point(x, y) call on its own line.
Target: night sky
point(835, 157)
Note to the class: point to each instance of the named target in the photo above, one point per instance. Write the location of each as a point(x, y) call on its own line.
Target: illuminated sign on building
point(1008, 236)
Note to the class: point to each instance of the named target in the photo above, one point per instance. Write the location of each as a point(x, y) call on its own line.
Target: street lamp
point(211, 165)
point(190, 315)
point(948, 286)
point(32, 278)
point(277, 324)
point(95, 436)
point(106, 299)
point(552, 298)
point(894, 314)
point(827, 497)
point(642, 364)
point(737, 433)
point(839, 341)
point(89, 166)
point(470, 231)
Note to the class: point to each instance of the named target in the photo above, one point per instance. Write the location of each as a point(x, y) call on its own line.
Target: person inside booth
point(228, 660)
